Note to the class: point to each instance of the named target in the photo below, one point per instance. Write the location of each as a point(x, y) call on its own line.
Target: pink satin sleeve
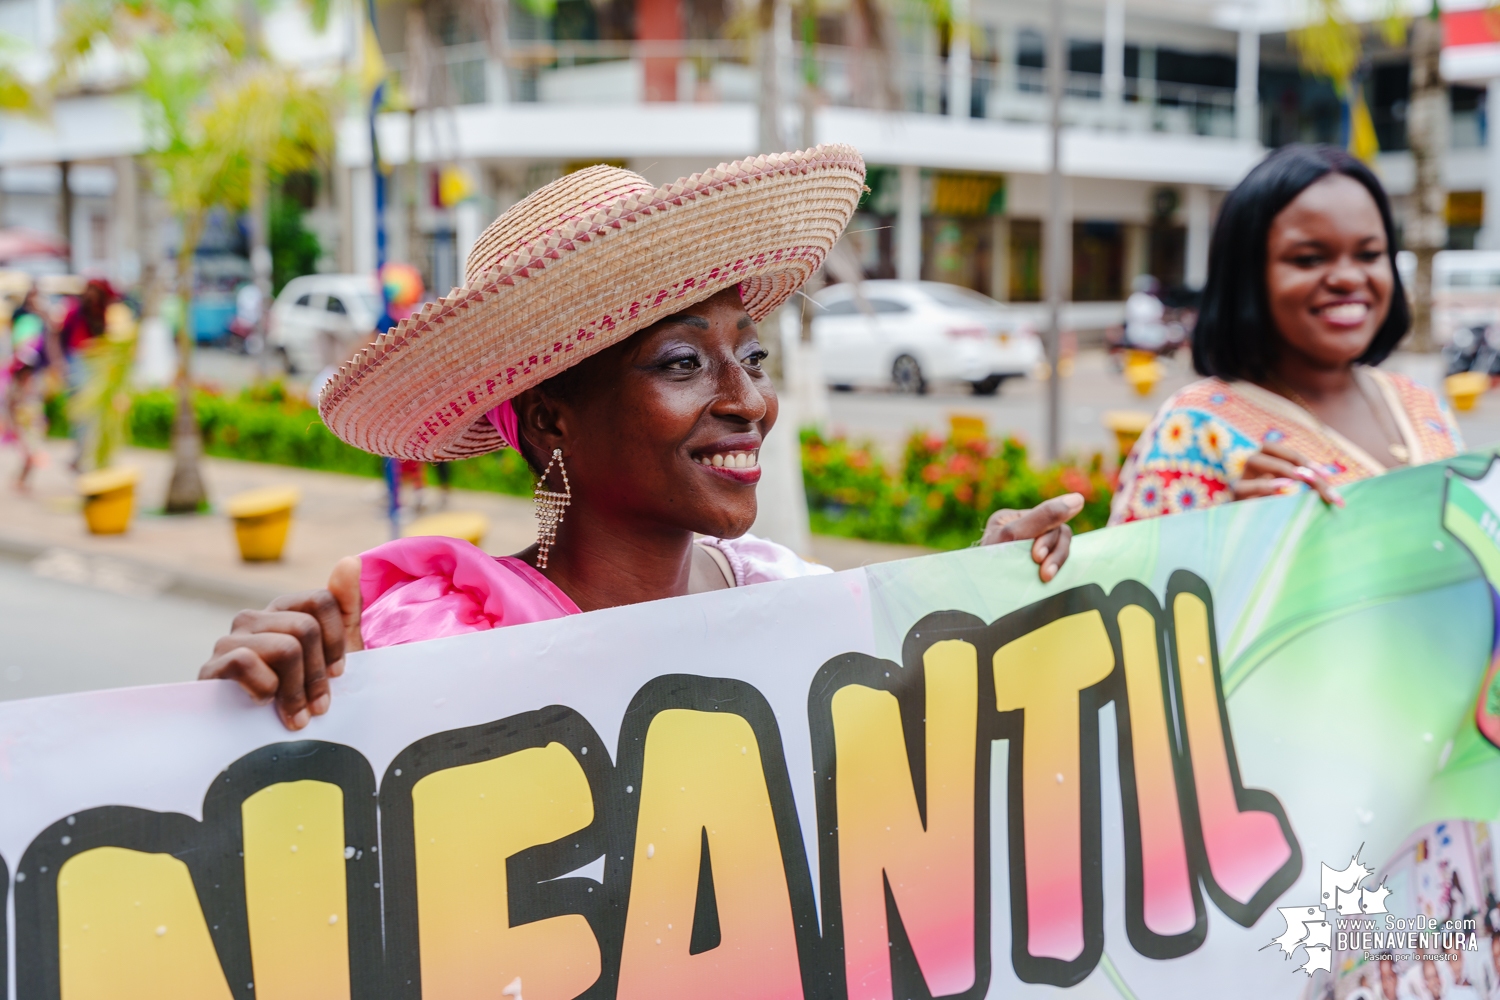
point(429, 587)
point(760, 560)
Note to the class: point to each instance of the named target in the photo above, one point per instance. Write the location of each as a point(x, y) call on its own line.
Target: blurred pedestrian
point(1144, 313)
point(25, 417)
point(1303, 301)
point(82, 323)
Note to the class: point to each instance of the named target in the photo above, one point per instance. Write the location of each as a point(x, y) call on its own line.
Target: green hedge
point(940, 496)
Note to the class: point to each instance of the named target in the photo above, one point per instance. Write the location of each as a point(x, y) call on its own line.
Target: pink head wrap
point(503, 419)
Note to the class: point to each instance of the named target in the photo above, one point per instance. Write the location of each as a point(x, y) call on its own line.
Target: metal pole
point(1055, 238)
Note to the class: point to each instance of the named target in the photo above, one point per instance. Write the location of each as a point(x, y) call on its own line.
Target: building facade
point(1167, 106)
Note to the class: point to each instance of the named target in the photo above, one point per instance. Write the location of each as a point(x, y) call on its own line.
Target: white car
point(320, 319)
point(911, 334)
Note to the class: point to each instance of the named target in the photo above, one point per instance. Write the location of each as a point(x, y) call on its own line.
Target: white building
point(1169, 104)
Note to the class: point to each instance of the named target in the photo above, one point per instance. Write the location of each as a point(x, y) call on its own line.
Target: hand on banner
point(1047, 522)
point(289, 650)
point(1275, 470)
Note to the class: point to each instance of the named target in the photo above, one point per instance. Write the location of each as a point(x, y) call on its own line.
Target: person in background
point(1302, 303)
point(26, 422)
point(1145, 329)
point(82, 322)
point(643, 425)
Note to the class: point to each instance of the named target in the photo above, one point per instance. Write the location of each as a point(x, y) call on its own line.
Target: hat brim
point(765, 224)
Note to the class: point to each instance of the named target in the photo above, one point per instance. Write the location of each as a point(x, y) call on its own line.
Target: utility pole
point(1054, 239)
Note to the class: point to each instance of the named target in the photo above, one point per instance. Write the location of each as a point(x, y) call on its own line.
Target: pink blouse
point(428, 587)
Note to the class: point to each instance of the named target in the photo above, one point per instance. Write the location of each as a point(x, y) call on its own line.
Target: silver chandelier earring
point(550, 508)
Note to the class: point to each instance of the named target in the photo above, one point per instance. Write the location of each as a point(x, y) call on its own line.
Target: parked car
point(911, 334)
point(319, 319)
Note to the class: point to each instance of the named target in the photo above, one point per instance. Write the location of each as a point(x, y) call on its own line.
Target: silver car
point(908, 335)
point(320, 319)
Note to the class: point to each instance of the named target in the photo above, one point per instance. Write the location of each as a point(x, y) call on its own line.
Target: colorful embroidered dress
point(1196, 445)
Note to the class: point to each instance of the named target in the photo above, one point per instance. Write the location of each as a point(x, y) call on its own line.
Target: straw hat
point(577, 266)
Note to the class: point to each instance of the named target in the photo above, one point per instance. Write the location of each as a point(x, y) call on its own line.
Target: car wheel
point(286, 361)
point(841, 387)
point(906, 375)
point(987, 386)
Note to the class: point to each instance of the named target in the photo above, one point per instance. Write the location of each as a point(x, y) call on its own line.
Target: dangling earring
point(550, 508)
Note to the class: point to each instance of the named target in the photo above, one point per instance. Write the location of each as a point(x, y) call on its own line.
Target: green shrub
point(944, 491)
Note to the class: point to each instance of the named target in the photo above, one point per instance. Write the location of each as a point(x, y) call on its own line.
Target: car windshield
point(955, 297)
point(1474, 279)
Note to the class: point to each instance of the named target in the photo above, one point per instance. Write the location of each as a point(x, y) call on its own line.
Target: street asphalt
point(57, 636)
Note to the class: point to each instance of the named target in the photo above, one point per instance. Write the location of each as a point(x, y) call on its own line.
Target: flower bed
point(944, 490)
point(941, 495)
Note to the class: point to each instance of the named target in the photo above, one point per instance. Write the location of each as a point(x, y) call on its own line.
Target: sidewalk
point(195, 555)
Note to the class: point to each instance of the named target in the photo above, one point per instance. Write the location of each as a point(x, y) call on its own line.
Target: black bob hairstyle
point(1234, 337)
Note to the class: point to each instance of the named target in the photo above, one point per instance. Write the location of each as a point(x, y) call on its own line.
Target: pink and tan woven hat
point(577, 266)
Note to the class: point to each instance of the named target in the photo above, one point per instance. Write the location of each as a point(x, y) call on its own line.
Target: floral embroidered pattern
point(1196, 447)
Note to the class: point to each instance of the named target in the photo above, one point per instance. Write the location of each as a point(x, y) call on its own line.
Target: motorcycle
point(1473, 349)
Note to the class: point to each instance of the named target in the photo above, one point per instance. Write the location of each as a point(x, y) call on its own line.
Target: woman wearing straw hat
point(606, 330)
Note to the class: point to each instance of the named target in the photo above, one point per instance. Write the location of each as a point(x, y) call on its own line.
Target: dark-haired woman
point(607, 331)
point(1302, 303)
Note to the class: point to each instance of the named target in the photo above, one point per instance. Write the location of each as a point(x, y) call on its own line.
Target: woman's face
point(1328, 272)
point(667, 425)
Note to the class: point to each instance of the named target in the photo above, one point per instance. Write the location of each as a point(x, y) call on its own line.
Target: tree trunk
point(150, 237)
point(260, 239)
point(1427, 133)
point(767, 22)
point(185, 493)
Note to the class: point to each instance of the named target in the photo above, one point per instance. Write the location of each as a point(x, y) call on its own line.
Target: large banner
point(1246, 752)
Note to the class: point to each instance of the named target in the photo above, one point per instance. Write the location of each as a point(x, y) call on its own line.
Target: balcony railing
point(724, 71)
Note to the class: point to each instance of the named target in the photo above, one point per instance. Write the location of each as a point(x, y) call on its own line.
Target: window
point(882, 306)
point(305, 299)
point(1474, 279)
point(843, 307)
point(335, 305)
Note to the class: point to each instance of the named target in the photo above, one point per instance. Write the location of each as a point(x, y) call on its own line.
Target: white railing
point(720, 71)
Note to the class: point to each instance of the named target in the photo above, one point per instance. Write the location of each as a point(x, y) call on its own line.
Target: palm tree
point(217, 122)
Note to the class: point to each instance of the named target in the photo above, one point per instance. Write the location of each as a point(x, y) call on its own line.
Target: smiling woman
point(1302, 302)
point(606, 331)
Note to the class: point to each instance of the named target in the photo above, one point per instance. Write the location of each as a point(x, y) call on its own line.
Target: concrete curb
point(131, 576)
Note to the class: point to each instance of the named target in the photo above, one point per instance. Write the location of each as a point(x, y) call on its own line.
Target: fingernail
point(1284, 485)
point(320, 704)
point(1041, 553)
point(1303, 472)
point(300, 719)
point(1338, 498)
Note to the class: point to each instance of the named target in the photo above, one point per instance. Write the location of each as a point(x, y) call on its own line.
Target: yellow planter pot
point(1465, 388)
point(1143, 377)
point(966, 427)
point(1127, 426)
point(468, 525)
point(108, 499)
point(261, 520)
